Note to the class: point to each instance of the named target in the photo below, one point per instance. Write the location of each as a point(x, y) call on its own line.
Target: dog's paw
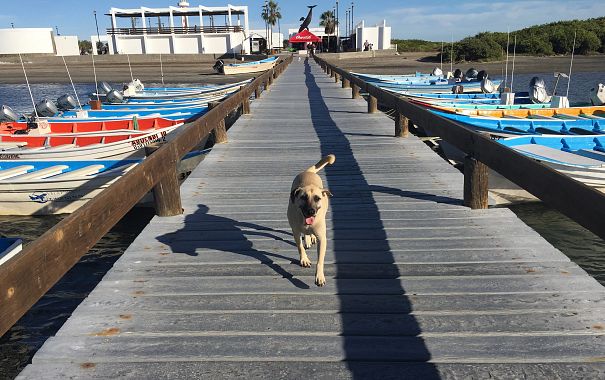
point(310, 240)
point(320, 279)
point(305, 262)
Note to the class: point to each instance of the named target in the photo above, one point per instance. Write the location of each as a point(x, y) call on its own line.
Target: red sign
point(305, 36)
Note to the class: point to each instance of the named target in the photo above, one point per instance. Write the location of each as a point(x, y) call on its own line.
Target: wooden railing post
point(167, 192)
point(355, 91)
point(401, 125)
point(475, 183)
point(257, 92)
point(245, 103)
point(372, 104)
point(346, 83)
point(336, 78)
point(220, 132)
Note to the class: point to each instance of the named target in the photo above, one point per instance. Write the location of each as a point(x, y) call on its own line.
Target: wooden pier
point(418, 285)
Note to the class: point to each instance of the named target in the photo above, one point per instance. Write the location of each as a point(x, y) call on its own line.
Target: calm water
point(47, 316)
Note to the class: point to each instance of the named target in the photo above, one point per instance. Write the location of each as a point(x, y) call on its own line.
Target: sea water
point(48, 315)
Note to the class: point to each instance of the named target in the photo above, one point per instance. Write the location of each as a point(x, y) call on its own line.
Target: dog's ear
point(295, 193)
point(326, 192)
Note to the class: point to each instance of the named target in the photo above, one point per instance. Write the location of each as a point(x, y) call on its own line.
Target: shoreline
point(198, 68)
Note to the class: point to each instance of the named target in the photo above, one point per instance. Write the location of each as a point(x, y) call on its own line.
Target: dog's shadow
point(229, 235)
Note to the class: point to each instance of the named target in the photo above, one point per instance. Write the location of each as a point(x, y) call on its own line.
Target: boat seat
point(42, 173)
point(593, 117)
point(564, 116)
point(17, 170)
point(12, 144)
point(540, 151)
point(594, 154)
point(85, 171)
point(119, 169)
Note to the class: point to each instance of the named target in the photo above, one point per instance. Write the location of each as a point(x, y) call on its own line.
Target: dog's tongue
point(309, 220)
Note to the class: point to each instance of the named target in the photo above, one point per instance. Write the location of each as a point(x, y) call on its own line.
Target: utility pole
point(98, 35)
point(353, 30)
point(337, 29)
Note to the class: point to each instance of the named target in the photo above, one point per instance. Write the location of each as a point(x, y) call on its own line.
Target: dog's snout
point(311, 211)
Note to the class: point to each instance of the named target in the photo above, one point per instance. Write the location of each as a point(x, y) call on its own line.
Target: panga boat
point(59, 187)
point(9, 247)
point(245, 67)
point(113, 145)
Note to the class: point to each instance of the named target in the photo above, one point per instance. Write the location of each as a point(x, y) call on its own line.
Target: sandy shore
point(177, 69)
point(407, 63)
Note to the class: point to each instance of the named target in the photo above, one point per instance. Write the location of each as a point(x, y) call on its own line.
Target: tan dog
point(307, 215)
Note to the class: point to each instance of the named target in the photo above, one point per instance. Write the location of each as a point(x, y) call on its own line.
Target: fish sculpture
point(307, 21)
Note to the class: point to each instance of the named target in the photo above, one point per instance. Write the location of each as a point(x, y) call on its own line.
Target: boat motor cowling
point(481, 75)
point(104, 88)
point(137, 85)
point(218, 66)
point(537, 90)
point(114, 96)
point(7, 114)
point(437, 72)
point(487, 86)
point(457, 73)
point(66, 102)
point(597, 95)
point(46, 108)
point(471, 73)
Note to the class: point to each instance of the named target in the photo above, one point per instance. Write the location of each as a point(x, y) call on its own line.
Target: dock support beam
point(475, 183)
point(402, 125)
point(355, 92)
point(346, 83)
point(372, 104)
point(220, 132)
point(167, 192)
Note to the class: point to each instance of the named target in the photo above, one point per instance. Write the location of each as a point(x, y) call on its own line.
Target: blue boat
point(9, 247)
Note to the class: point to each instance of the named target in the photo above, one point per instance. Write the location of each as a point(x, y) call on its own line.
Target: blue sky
point(424, 19)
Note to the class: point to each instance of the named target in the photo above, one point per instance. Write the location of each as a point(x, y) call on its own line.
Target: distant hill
point(548, 39)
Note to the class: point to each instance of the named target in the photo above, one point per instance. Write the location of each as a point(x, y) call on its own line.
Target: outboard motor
point(437, 72)
point(481, 75)
point(487, 86)
point(597, 95)
point(457, 73)
point(7, 114)
point(218, 66)
point(114, 96)
point(66, 102)
point(104, 88)
point(537, 90)
point(137, 85)
point(46, 108)
point(471, 73)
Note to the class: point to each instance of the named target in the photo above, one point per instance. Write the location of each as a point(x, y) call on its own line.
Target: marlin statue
point(307, 21)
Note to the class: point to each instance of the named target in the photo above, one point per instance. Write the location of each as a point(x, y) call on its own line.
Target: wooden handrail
point(580, 202)
point(27, 276)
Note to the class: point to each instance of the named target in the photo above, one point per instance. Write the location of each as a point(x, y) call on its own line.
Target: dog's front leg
point(304, 259)
point(320, 279)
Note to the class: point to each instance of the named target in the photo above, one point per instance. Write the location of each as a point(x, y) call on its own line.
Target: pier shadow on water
point(386, 350)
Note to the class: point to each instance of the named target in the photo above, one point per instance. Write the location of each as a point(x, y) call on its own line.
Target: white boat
point(246, 67)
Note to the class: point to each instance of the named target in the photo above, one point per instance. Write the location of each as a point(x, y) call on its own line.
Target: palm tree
point(328, 21)
point(273, 17)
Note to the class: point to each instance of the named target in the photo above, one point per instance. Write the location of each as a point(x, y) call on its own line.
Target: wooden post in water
point(167, 192)
point(346, 83)
point(475, 183)
point(355, 91)
point(372, 104)
point(220, 132)
point(401, 125)
point(245, 103)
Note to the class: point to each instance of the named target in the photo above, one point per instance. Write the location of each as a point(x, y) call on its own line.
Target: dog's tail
point(327, 160)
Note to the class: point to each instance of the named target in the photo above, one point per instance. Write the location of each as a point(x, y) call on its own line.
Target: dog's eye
point(316, 198)
point(304, 197)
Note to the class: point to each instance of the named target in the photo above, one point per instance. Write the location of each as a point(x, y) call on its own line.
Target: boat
point(93, 125)
point(78, 146)
point(505, 123)
point(9, 247)
point(59, 187)
point(396, 78)
point(245, 67)
point(440, 86)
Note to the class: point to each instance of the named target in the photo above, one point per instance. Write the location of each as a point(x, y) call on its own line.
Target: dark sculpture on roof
point(307, 21)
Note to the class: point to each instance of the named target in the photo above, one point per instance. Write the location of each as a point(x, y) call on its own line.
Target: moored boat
point(245, 67)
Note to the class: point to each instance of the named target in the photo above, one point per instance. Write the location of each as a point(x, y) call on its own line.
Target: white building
point(37, 41)
point(179, 30)
point(379, 36)
point(256, 35)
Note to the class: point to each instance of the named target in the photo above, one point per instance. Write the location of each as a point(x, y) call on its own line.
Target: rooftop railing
point(176, 30)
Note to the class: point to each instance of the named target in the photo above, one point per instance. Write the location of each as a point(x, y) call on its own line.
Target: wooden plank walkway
point(418, 286)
